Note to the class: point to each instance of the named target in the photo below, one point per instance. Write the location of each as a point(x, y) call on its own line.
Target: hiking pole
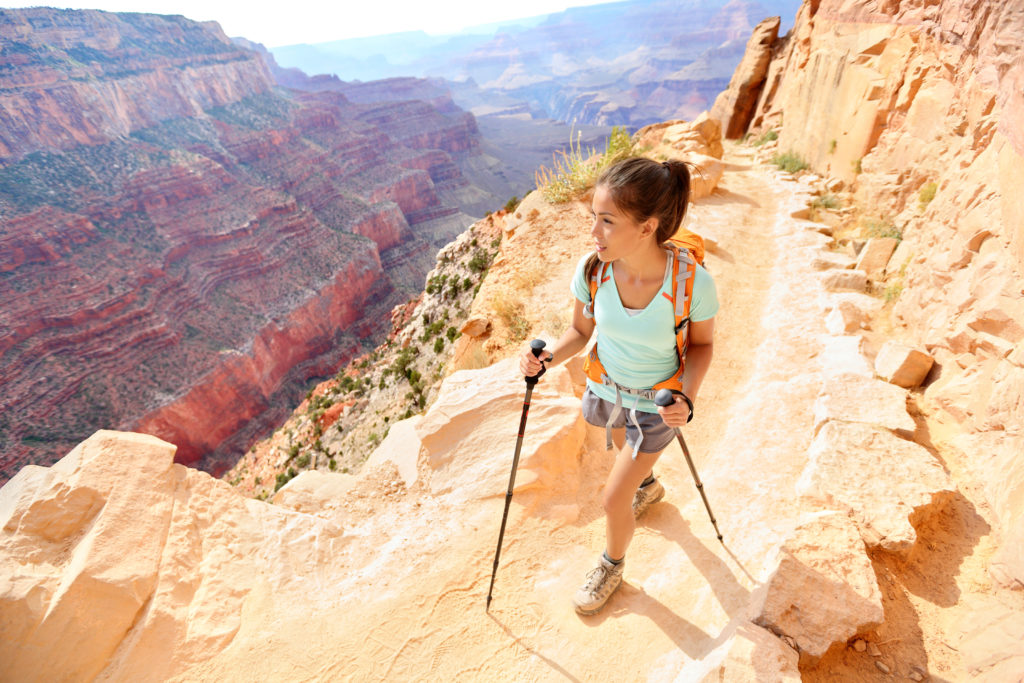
point(664, 398)
point(537, 346)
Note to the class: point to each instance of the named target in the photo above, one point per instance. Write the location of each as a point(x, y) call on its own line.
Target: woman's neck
point(646, 263)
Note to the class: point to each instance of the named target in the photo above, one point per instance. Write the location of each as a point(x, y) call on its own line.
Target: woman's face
point(616, 234)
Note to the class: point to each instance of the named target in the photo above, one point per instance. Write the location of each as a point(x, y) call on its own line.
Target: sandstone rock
point(886, 483)
point(734, 107)
point(705, 179)
point(402, 447)
point(902, 365)
point(710, 132)
point(854, 398)
point(834, 184)
point(751, 654)
point(476, 327)
point(476, 412)
point(844, 318)
point(824, 590)
point(900, 258)
point(315, 492)
point(859, 645)
point(842, 356)
point(827, 260)
point(137, 566)
point(845, 280)
point(875, 255)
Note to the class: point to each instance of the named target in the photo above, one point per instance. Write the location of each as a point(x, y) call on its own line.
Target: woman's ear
point(649, 226)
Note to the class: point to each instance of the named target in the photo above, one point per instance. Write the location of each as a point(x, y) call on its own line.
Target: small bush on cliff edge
point(575, 172)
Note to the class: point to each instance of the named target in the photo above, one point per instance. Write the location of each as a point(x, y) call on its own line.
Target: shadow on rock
point(944, 539)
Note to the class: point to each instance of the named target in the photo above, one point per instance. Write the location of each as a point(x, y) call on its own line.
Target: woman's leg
point(623, 481)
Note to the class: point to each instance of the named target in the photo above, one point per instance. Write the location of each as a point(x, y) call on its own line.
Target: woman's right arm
point(568, 345)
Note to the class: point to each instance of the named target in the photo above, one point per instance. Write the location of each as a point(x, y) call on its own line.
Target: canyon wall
point(918, 107)
point(184, 244)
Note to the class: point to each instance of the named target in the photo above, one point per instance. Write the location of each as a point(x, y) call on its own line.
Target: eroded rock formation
point(918, 106)
point(182, 245)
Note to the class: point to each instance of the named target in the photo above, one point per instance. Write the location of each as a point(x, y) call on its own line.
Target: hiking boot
point(646, 496)
point(600, 584)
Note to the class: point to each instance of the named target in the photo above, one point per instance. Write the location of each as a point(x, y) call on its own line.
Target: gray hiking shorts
point(656, 434)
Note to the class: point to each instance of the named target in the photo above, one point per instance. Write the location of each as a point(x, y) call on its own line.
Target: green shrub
point(874, 227)
point(302, 461)
point(926, 194)
point(438, 344)
point(766, 137)
point(789, 162)
point(826, 201)
point(511, 204)
point(480, 261)
point(452, 333)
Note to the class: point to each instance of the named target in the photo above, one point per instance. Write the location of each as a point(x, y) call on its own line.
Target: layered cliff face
point(183, 244)
point(918, 107)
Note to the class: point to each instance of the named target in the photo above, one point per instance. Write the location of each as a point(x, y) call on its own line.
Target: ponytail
point(645, 188)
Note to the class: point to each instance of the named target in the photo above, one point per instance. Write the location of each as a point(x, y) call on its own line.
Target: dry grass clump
point(572, 174)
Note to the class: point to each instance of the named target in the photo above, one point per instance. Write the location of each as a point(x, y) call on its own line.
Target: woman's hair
point(644, 188)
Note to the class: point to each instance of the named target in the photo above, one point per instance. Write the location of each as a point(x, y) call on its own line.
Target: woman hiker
point(638, 205)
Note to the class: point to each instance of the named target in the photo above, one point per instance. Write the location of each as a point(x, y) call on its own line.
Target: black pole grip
point(537, 347)
point(663, 398)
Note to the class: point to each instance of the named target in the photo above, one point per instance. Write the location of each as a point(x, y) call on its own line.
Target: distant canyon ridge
point(627, 63)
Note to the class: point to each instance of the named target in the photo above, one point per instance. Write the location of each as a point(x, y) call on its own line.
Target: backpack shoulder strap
point(682, 293)
point(597, 278)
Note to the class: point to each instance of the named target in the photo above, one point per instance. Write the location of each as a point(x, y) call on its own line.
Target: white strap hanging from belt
point(616, 411)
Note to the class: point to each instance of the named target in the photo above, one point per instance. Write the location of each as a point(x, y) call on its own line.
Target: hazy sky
point(304, 21)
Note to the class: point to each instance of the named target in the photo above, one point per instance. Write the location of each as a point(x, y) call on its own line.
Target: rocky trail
point(850, 552)
point(405, 598)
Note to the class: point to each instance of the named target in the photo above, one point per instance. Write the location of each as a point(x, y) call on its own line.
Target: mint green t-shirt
point(639, 351)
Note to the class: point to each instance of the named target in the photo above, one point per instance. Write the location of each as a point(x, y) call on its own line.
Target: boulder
point(705, 179)
point(902, 365)
point(468, 435)
point(476, 327)
point(855, 398)
point(828, 260)
point(842, 356)
point(887, 483)
point(845, 280)
point(824, 589)
point(315, 492)
point(845, 318)
point(402, 447)
point(117, 563)
point(875, 255)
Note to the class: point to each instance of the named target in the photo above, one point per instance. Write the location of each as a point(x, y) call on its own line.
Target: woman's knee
point(615, 499)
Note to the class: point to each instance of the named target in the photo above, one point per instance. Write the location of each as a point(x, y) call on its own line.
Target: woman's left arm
point(698, 356)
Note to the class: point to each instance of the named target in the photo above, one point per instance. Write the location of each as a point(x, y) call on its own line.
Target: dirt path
point(405, 600)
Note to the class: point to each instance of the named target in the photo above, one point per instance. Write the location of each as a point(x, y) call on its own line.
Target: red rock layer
point(73, 78)
point(183, 249)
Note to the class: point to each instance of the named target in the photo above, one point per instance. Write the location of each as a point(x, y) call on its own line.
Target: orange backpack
point(685, 249)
